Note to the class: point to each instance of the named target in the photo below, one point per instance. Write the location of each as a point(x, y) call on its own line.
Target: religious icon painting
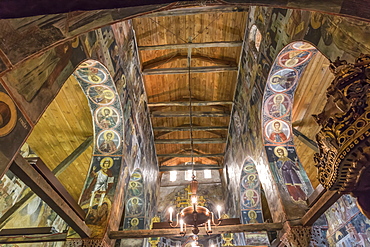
point(92, 75)
point(283, 80)
point(277, 105)
point(300, 45)
point(249, 168)
point(277, 131)
point(250, 181)
point(108, 141)
point(294, 58)
point(106, 117)
point(8, 114)
point(250, 199)
point(135, 206)
point(135, 188)
point(136, 175)
point(101, 95)
point(133, 223)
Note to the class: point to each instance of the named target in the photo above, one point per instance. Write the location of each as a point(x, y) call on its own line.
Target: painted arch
point(293, 183)
point(100, 184)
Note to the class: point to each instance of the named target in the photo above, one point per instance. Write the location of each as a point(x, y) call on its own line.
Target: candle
point(219, 211)
point(171, 211)
point(209, 225)
point(181, 225)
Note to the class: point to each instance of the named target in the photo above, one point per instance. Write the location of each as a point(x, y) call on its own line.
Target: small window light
point(173, 175)
point(188, 175)
point(207, 174)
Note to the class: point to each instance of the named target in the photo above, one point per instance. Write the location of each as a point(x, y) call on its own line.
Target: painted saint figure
point(278, 109)
point(289, 172)
point(103, 180)
point(106, 119)
point(108, 146)
point(277, 134)
point(282, 80)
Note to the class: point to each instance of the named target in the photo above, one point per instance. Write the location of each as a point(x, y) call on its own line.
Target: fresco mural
point(135, 202)
point(250, 204)
point(11, 188)
point(333, 36)
point(100, 185)
point(14, 128)
point(292, 180)
point(346, 225)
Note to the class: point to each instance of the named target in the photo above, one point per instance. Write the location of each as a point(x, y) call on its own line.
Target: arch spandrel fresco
point(100, 185)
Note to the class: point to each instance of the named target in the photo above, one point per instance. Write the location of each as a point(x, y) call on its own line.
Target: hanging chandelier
point(195, 216)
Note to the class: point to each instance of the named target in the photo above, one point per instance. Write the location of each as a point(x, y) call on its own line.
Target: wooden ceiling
point(309, 99)
point(211, 44)
point(64, 126)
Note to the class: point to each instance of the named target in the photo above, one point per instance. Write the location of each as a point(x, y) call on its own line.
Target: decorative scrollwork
point(345, 132)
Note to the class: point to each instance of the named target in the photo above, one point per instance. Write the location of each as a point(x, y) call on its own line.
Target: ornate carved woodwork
point(344, 139)
point(297, 236)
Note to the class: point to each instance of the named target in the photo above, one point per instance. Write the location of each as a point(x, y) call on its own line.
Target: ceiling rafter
point(171, 57)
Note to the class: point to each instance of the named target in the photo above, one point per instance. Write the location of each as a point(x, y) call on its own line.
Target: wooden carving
point(343, 160)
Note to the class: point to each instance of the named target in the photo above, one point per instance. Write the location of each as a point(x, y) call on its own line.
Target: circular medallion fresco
point(135, 206)
point(250, 199)
point(8, 114)
point(101, 95)
point(277, 131)
point(106, 117)
point(300, 45)
point(250, 181)
point(283, 80)
point(294, 58)
point(108, 141)
point(277, 105)
point(92, 75)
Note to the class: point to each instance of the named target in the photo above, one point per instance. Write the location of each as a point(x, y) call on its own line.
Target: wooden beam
point(322, 204)
point(187, 103)
point(215, 230)
point(206, 69)
point(187, 167)
point(305, 140)
point(73, 156)
point(187, 128)
point(172, 57)
point(191, 155)
point(187, 114)
point(56, 171)
point(44, 171)
point(192, 45)
point(197, 10)
point(22, 169)
point(28, 231)
point(188, 141)
point(39, 238)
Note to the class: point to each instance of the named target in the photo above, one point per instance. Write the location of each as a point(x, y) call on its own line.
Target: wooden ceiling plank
point(187, 128)
point(38, 238)
point(186, 114)
point(193, 103)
